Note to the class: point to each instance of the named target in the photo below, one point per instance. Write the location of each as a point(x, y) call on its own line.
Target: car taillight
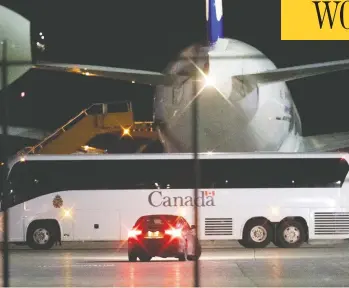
point(134, 233)
point(174, 232)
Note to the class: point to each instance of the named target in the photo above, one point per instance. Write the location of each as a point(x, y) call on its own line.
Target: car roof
point(160, 215)
point(166, 216)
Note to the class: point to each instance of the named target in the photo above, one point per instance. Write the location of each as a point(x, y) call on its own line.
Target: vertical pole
point(196, 167)
point(4, 112)
point(104, 109)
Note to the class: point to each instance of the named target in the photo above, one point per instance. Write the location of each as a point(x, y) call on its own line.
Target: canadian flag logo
point(210, 193)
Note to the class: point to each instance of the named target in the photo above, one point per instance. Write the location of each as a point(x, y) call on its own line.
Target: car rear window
point(157, 220)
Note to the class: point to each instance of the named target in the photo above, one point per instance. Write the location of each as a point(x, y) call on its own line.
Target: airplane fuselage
point(234, 116)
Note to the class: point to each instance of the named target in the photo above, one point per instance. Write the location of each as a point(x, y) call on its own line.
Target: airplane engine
point(15, 29)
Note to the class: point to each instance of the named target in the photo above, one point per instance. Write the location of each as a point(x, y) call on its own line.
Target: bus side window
point(214, 175)
point(16, 191)
point(163, 174)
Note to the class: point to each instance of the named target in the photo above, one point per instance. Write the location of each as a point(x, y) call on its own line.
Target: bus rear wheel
point(290, 234)
point(257, 234)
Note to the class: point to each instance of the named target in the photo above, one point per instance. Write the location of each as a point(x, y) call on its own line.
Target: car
point(163, 236)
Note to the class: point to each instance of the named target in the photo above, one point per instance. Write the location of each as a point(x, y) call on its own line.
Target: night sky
point(147, 35)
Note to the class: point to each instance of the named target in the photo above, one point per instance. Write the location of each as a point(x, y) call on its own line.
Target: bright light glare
point(40, 46)
point(67, 213)
point(134, 233)
point(22, 94)
point(275, 211)
point(209, 81)
point(126, 132)
point(174, 232)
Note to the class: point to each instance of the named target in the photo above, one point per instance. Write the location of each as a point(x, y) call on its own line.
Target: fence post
point(195, 121)
point(4, 146)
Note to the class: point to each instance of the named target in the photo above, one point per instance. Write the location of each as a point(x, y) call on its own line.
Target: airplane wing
point(156, 78)
point(296, 72)
point(326, 142)
point(130, 75)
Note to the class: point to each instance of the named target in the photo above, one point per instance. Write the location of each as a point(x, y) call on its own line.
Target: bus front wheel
point(40, 235)
point(290, 234)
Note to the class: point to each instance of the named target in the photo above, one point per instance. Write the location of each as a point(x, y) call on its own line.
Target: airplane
point(16, 29)
point(243, 99)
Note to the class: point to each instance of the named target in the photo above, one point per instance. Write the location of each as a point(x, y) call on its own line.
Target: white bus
point(255, 198)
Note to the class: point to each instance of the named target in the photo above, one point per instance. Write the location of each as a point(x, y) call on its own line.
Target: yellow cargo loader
point(73, 136)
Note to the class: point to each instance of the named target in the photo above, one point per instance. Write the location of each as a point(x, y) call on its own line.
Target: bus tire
point(290, 234)
point(257, 233)
point(41, 235)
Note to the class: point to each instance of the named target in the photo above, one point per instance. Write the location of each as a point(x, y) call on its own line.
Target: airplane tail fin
point(214, 18)
point(15, 30)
